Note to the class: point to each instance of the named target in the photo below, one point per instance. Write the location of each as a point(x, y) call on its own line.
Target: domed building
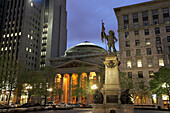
point(80, 68)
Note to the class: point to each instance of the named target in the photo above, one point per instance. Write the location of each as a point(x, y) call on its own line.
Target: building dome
point(85, 48)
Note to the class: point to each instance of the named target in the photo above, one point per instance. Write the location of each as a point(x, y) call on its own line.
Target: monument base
point(113, 108)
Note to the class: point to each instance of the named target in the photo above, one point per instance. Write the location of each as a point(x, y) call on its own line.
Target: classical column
point(61, 95)
point(70, 88)
point(88, 84)
point(79, 82)
point(97, 78)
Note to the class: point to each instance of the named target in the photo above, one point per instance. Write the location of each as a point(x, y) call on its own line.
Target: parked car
point(51, 103)
point(64, 105)
point(75, 105)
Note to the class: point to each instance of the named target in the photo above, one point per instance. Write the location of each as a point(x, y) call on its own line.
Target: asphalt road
point(78, 110)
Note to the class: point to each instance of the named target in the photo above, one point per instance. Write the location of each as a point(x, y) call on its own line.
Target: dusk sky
point(84, 19)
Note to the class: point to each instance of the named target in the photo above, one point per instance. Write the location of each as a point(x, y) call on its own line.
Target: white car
point(64, 105)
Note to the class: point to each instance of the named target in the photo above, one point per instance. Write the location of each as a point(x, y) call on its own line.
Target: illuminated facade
point(144, 41)
point(83, 65)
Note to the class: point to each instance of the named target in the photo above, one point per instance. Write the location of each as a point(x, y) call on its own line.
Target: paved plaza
point(78, 110)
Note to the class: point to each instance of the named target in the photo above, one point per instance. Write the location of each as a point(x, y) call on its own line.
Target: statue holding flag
point(111, 39)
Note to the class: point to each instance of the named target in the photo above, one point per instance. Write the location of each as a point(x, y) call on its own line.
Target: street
point(80, 110)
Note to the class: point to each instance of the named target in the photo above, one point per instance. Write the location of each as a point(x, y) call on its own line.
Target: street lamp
point(94, 87)
point(50, 89)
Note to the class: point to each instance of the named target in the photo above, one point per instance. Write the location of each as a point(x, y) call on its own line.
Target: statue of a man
point(111, 39)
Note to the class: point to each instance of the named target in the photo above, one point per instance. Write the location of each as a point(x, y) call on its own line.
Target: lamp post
point(28, 88)
point(94, 87)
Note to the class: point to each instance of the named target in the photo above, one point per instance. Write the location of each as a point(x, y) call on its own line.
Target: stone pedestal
point(113, 108)
point(111, 90)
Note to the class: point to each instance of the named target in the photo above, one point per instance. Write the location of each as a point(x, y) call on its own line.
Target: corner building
point(144, 40)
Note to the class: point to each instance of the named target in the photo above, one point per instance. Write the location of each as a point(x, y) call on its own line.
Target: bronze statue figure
point(98, 97)
point(111, 39)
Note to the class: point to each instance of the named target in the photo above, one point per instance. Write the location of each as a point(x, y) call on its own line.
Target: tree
point(138, 87)
point(41, 81)
point(160, 84)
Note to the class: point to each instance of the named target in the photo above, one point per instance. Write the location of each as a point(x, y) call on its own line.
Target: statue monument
point(111, 91)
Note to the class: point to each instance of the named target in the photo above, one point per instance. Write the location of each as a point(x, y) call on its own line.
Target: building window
point(159, 50)
point(127, 43)
point(136, 33)
point(169, 48)
point(135, 20)
point(126, 34)
point(167, 28)
point(155, 17)
point(146, 31)
point(129, 64)
point(128, 53)
point(161, 62)
point(148, 51)
point(139, 63)
point(157, 30)
point(168, 38)
point(138, 52)
point(147, 41)
point(158, 40)
point(137, 42)
point(151, 74)
point(27, 49)
point(140, 74)
point(126, 21)
point(129, 74)
point(149, 62)
point(145, 18)
point(166, 15)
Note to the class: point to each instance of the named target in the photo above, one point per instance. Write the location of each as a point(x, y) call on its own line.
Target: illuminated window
point(7, 35)
point(2, 49)
point(129, 64)
point(6, 48)
point(9, 48)
point(31, 37)
point(4, 36)
point(11, 35)
point(19, 33)
point(139, 63)
point(26, 48)
point(151, 74)
point(28, 36)
point(149, 62)
point(15, 34)
point(32, 4)
point(161, 62)
point(147, 41)
point(30, 50)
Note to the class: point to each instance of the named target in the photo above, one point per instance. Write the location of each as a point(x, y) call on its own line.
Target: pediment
point(76, 63)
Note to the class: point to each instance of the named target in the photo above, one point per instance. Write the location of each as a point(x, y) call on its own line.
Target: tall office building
point(22, 32)
point(54, 35)
point(2, 2)
point(144, 39)
point(34, 30)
